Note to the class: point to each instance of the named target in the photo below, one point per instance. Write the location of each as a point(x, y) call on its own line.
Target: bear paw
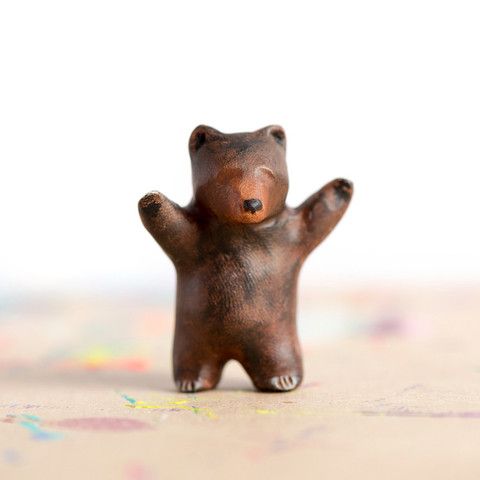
point(282, 383)
point(150, 204)
point(343, 189)
point(191, 386)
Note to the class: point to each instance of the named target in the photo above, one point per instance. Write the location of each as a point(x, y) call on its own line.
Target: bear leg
point(275, 369)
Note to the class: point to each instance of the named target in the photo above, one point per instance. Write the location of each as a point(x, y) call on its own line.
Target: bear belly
point(230, 293)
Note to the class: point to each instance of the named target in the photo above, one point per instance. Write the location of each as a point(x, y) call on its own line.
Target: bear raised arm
point(238, 250)
point(170, 225)
point(323, 210)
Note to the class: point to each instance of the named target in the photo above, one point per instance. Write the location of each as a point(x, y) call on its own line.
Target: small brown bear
point(238, 249)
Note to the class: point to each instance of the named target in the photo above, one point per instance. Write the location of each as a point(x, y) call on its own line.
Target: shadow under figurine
point(237, 250)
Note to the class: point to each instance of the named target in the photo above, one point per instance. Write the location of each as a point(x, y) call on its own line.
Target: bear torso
point(240, 277)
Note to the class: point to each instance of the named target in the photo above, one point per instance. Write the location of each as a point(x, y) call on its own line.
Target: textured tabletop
point(392, 390)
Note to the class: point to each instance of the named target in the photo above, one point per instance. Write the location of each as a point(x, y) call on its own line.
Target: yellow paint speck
point(172, 405)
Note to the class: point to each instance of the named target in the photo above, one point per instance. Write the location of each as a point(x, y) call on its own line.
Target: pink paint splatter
point(405, 412)
point(137, 471)
point(110, 424)
point(311, 385)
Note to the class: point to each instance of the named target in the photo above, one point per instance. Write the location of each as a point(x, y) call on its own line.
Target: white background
point(98, 98)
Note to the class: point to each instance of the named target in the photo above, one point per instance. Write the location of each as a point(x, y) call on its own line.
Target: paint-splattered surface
point(392, 391)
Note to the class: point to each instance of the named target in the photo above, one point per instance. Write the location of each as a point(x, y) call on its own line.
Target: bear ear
point(201, 135)
point(278, 134)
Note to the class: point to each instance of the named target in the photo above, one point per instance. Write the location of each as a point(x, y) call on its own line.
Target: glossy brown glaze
point(238, 249)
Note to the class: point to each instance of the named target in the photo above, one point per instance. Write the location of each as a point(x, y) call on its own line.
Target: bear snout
point(252, 205)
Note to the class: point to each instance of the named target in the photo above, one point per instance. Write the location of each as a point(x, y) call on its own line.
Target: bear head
point(239, 177)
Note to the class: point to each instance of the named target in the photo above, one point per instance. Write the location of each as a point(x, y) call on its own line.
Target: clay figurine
point(237, 250)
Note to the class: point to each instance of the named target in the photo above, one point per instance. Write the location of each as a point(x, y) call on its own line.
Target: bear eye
point(279, 136)
point(200, 140)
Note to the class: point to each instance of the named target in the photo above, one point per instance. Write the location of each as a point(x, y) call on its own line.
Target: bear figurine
point(237, 250)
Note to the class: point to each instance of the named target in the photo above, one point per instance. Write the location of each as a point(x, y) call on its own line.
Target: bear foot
point(192, 386)
point(282, 383)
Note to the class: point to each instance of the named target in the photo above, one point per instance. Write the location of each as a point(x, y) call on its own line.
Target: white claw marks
point(188, 386)
point(284, 383)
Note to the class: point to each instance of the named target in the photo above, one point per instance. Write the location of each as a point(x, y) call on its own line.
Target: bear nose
point(252, 205)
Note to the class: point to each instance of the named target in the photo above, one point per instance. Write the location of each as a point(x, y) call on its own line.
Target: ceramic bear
point(237, 250)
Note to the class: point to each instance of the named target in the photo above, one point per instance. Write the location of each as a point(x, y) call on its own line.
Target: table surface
point(392, 390)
